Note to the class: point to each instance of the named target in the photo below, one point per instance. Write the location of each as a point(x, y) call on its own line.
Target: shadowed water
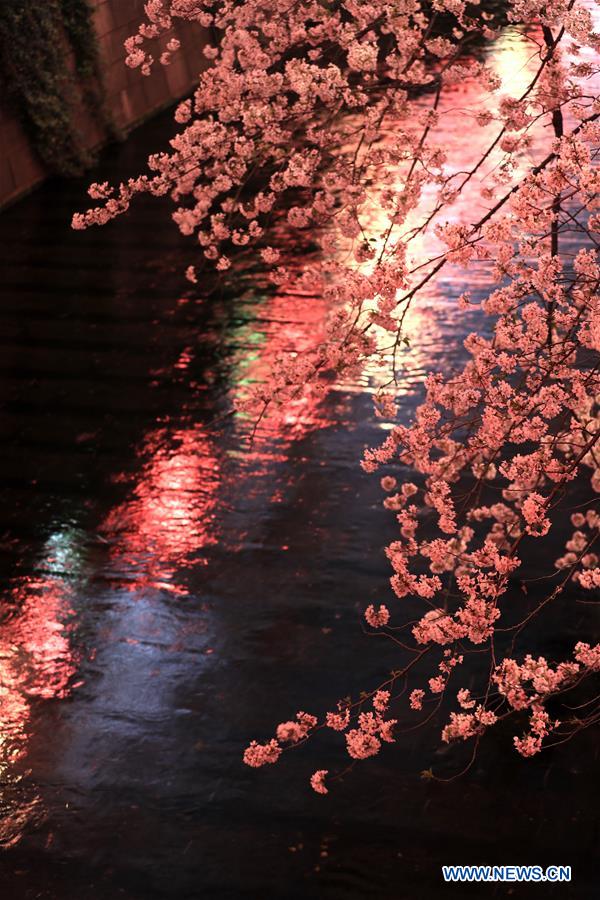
point(170, 593)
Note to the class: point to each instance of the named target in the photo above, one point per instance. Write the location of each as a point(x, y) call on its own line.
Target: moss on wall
point(49, 71)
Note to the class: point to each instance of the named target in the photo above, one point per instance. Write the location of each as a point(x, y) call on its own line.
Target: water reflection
point(37, 662)
point(284, 323)
point(434, 341)
point(170, 518)
point(36, 657)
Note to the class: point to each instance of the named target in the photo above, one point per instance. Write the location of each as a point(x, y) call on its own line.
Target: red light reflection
point(172, 510)
point(36, 659)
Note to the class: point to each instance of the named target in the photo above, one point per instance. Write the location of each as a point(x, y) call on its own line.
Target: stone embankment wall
point(131, 97)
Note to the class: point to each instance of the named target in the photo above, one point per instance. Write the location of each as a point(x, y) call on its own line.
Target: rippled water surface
point(170, 593)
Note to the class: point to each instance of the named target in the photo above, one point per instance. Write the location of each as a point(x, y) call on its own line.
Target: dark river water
point(170, 593)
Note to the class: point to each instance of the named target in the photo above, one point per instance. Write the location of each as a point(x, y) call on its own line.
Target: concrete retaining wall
point(131, 97)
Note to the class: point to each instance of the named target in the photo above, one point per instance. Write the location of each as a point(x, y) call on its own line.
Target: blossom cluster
point(325, 115)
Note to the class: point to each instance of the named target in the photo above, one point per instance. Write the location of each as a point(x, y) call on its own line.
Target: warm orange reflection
point(428, 322)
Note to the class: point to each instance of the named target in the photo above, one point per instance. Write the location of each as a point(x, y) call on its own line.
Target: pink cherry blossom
point(377, 618)
point(360, 744)
point(317, 781)
point(324, 118)
point(416, 698)
point(256, 755)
